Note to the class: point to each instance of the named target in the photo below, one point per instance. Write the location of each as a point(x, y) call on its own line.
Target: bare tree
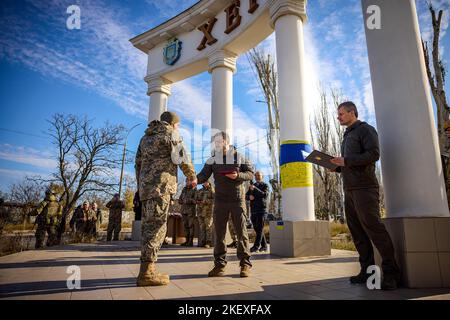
point(28, 191)
point(87, 158)
point(327, 135)
point(436, 72)
point(26, 194)
point(436, 75)
point(265, 69)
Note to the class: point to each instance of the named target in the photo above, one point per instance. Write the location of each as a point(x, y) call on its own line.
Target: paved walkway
point(108, 271)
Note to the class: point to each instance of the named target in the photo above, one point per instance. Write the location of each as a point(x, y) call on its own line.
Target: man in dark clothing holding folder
point(230, 170)
point(360, 151)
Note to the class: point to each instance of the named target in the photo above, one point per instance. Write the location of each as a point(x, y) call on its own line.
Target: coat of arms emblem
point(172, 52)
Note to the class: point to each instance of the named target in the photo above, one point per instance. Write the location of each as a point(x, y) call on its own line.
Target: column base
point(300, 238)
point(422, 247)
point(136, 230)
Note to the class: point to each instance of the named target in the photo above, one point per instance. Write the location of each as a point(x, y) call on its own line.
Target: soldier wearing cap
point(160, 153)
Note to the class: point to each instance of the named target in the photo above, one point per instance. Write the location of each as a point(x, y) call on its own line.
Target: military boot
point(149, 277)
point(217, 271)
point(245, 271)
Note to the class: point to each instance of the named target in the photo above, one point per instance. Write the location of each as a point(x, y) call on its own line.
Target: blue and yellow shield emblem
point(172, 52)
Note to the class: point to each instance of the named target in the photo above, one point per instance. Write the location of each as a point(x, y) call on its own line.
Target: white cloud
point(26, 155)
point(16, 175)
point(98, 57)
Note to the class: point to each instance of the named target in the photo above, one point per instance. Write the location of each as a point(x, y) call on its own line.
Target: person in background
point(115, 207)
point(257, 195)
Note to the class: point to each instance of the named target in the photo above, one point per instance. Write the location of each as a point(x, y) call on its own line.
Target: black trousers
point(258, 225)
point(362, 209)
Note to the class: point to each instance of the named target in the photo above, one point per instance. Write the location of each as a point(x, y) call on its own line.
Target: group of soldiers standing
point(86, 221)
point(197, 204)
point(84, 224)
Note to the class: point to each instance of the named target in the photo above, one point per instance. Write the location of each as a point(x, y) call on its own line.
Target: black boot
point(389, 282)
point(360, 278)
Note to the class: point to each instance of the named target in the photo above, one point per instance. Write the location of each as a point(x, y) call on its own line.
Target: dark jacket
point(260, 192)
point(361, 150)
point(228, 190)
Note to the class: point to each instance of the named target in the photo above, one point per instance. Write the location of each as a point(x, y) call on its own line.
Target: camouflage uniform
point(48, 215)
point(188, 206)
point(84, 221)
point(205, 204)
point(115, 207)
point(160, 151)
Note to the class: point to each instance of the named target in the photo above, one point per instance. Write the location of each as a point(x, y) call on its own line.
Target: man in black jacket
point(360, 151)
point(230, 170)
point(257, 195)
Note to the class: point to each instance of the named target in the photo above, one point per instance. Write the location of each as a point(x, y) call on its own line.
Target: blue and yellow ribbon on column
point(295, 171)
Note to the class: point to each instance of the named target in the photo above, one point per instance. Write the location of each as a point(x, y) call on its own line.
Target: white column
point(222, 65)
point(159, 91)
point(411, 166)
point(288, 17)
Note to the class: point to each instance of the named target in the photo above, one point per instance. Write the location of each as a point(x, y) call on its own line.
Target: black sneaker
point(253, 249)
point(360, 278)
point(262, 250)
point(389, 283)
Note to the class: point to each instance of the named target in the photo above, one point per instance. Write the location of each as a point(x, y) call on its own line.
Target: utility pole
point(123, 159)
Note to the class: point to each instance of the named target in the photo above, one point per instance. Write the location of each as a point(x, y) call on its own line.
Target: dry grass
point(340, 237)
point(337, 229)
point(10, 228)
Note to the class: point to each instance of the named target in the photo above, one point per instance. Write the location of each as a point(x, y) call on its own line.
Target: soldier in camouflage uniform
point(160, 152)
point(115, 207)
point(205, 204)
point(97, 221)
point(82, 222)
point(48, 214)
point(188, 207)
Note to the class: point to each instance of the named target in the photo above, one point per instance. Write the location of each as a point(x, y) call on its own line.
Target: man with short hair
point(360, 151)
point(230, 170)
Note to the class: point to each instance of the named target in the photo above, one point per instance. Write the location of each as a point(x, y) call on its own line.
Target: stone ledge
point(300, 238)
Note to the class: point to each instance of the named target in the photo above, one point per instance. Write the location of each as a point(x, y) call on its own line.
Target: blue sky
point(46, 68)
